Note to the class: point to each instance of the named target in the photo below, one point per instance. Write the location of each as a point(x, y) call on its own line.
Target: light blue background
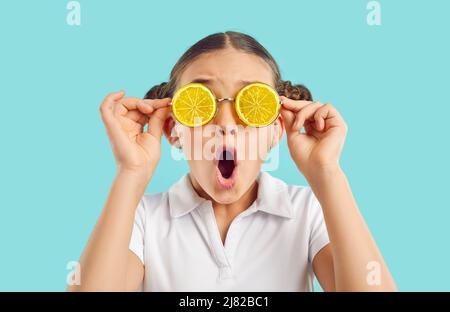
point(389, 82)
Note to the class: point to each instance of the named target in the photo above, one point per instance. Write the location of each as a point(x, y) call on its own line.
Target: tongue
point(226, 165)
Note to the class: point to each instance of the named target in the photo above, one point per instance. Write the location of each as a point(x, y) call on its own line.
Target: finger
point(156, 121)
point(333, 117)
point(143, 120)
point(113, 128)
point(304, 114)
point(114, 96)
point(106, 108)
point(137, 116)
point(126, 104)
point(309, 128)
point(144, 106)
point(149, 105)
point(293, 105)
point(288, 118)
point(326, 112)
point(320, 116)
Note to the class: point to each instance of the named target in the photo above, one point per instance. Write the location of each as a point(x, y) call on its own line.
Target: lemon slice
point(257, 104)
point(194, 105)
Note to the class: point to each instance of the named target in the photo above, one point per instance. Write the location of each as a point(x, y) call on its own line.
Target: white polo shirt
point(269, 246)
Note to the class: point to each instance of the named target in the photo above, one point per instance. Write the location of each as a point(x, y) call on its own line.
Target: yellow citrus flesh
point(194, 105)
point(257, 104)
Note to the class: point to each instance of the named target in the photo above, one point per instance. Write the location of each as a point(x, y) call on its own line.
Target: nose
point(226, 118)
point(227, 130)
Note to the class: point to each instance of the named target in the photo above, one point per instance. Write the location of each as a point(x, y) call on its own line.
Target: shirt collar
point(272, 198)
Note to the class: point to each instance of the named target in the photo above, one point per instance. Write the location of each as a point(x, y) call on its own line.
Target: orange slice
point(257, 104)
point(194, 105)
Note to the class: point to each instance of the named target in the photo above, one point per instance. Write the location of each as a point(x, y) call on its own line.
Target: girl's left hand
point(320, 146)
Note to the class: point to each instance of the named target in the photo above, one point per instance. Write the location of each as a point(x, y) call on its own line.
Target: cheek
point(268, 137)
point(202, 171)
point(201, 153)
point(198, 166)
point(192, 143)
point(254, 143)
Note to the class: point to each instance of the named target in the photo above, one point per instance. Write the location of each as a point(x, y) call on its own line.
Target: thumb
point(288, 118)
point(156, 122)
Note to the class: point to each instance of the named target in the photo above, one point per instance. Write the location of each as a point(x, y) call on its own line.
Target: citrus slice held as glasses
point(257, 104)
point(194, 105)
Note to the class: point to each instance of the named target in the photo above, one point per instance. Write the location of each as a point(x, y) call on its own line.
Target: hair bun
point(294, 92)
point(157, 92)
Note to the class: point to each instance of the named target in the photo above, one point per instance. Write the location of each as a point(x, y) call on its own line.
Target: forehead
point(227, 68)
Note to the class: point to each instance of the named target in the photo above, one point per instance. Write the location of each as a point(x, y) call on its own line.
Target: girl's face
point(225, 156)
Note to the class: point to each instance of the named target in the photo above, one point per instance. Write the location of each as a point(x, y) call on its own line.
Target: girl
point(226, 225)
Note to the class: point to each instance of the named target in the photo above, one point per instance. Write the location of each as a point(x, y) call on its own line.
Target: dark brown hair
point(219, 41)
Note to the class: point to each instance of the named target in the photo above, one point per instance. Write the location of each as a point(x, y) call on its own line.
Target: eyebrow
point(209, 81)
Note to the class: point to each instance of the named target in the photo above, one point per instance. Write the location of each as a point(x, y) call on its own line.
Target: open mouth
point(226, 165)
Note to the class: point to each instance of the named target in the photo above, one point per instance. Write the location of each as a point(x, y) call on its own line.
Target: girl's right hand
point(136, 151)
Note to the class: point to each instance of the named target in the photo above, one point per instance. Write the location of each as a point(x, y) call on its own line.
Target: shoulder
point(153, 199)
point(305, 203)
point(296, 193)
point(153, 203)
point(301, 195)
point(300, 198)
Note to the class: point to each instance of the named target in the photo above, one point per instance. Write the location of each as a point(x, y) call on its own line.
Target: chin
point(226, 196)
